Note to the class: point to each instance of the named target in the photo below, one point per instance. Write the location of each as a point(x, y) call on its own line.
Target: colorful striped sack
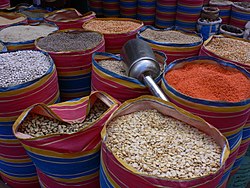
point(16, 168)
point(114, 172)
point(96, 6)
point(174, 51)
point(111, 8)
point(120, 87)
point(4, 4)
point(188, 12)
point(207, 29)
point(225, 9)
point(206, 2)
point(21, 19)
point(229, 118)
point(146, 11)
point(68, 18)
point(240, 15)
point(25, 45)
point(67, 160)
point(128, 8)
point(115, 41)
point(74, 68)
point(165, 13)
point(34, 14)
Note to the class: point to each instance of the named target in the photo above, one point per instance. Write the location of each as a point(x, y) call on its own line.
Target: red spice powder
point(210, 82)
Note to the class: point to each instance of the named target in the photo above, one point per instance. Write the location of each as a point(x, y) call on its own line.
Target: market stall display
point(215, 90)
point(116, 31)
point(10, 18)
point(146, 11)
point(26, 78)
point(68, 18)
point(68, 136)
point(72, 52)
point(22, 37)
point(174, 42)
point(150, 141)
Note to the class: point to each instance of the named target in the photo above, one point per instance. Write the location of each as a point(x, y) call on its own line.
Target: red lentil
point(210, 82)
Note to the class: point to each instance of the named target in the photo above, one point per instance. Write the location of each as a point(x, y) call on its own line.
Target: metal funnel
point(140, 63)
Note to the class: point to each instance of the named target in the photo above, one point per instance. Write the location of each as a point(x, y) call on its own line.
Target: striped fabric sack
point(4, 4)
point(173, 50)
point(225, 9)
point(115, 41)
point(165, 13)
point(68, 159)
point(74, 68)
point(146, 11)
point(229, 117)
point(15, 18)
point(240, 15)
point(188, 12)
point(25, 45)
point(128, 8)
point(111, 8)
point(208, 29)
point(16, 168)
point(115, 172)
point(96, 6)
point(68, 18)
point(118, 86)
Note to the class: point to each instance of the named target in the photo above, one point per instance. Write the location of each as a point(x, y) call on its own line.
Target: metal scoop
point(140, 63)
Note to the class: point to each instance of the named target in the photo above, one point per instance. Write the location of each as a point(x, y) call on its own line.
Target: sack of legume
point(216, 90)
point(240, 14)
point(68, 18)
point(228, 48)
point(128, 8)
point(34, 14)
point(9, 18)
point(176, 43)
point(225, 9)
point(26, 78)
point(148, 142)
point(72, 52)
point(109, 75)
point(116, 31)
point(22, 37)
point(208, 28)
point(63, 140)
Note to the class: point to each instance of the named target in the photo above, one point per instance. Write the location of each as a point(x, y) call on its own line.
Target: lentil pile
point(210, 82)
point(22, 33)
point(170, 36)
point(8, 21)
point(37, 125)
point(112, 26)
point(70, 41)
point(162, 146)
point(117, 66)
point(231, 49)
point(22, 66)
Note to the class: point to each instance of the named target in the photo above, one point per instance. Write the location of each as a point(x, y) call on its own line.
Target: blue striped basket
point(146, 11)
point(128, 8)
point(239, 15)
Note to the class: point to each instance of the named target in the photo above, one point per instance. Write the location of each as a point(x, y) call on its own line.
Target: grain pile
point(162, 146)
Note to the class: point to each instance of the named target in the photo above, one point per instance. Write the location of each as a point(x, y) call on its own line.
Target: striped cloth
point(96, 6)
point(111, 8)
point(146, 11)
point(239, 15)
point(4, 4)
point(128, 8)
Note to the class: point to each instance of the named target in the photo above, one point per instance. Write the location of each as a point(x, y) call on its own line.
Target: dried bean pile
point(112, 26)
point(162, 146)
point(210, 82)
point(170, 36)
point(36, 125)
point(24, 33)
point(231, 49)
point(70, 41)
point(22, 66)
point(117, 66)
point(6, 21)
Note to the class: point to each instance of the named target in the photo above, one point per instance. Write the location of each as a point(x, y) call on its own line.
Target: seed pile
point(231, 49)
point(117, 66)
point(162, 146)
point(170, 36)
point(22, 66)
point(6, 21)
point(70, 41)
point(22, 33)
point(36, 125)
point(112, 26)
point(210, 82)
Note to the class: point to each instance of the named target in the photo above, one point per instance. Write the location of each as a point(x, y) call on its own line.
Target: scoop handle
point(154, 88)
